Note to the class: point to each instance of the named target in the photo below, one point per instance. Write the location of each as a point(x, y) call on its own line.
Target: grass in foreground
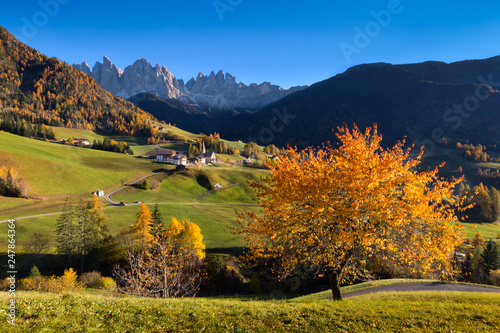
point(401, 312)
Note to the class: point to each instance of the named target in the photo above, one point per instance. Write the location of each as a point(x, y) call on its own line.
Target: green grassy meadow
point(383, 312)
point(55, 171)
point(487, 230)
point(213, 219)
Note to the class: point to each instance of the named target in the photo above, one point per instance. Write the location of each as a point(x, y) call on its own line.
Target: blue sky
point(284, 42)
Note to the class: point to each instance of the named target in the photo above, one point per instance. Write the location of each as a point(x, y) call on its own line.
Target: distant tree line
point(251, 149)
point(12, 123)
point(489, 177)
point(272, 150)
point(214, 143)
point(111, 145)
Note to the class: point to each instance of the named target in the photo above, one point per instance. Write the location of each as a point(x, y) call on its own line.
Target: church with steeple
point(207, 157)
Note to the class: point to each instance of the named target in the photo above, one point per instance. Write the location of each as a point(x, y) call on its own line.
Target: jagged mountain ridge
point(219, 91)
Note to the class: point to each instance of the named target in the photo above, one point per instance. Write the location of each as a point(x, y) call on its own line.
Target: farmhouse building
point(197, 160)
point(81, 142)
point(161, 154)
point(179, 159)
point(166, 155)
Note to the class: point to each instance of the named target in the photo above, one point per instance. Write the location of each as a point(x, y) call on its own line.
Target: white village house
point(99, 193)
point(179, 160)
point(165, 155)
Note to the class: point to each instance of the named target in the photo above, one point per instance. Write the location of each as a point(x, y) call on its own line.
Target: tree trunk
point(335, 285)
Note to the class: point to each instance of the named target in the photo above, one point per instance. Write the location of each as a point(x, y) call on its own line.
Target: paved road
point(107, 197)
point(436, 286)
point(150, 204)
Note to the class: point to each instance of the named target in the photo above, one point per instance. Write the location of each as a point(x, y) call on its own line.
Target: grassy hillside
point(386, 312)
point(53, 169)
point(39, 89)
point(197, 186)
point(66, 133)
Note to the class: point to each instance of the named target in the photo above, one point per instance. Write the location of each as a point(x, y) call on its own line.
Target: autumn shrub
point(107, 283)
point(38, 283)
point(54, 284)
point(68, 281)
point(90, 279)
point(495, 278)
point(5, 284)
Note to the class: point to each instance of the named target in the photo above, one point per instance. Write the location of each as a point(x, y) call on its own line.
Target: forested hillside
point(41, 90)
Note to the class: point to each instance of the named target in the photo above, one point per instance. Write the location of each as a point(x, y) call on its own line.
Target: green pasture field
point(381, 312)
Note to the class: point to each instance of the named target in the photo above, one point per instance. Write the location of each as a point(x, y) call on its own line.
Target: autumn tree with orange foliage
point(168, 264)
point(142, 227)
point(329, 210)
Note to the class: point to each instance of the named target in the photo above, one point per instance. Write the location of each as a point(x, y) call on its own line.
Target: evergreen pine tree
point(157, 217)
point(34, 272)
point(490, 257)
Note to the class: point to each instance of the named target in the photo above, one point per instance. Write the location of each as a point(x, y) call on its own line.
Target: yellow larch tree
point(142, 226)
point(327, 210)
point(187, 234)
point(193, 239)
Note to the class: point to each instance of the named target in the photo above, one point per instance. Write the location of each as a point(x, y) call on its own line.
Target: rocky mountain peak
point(219, 91)
point(84, 67)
